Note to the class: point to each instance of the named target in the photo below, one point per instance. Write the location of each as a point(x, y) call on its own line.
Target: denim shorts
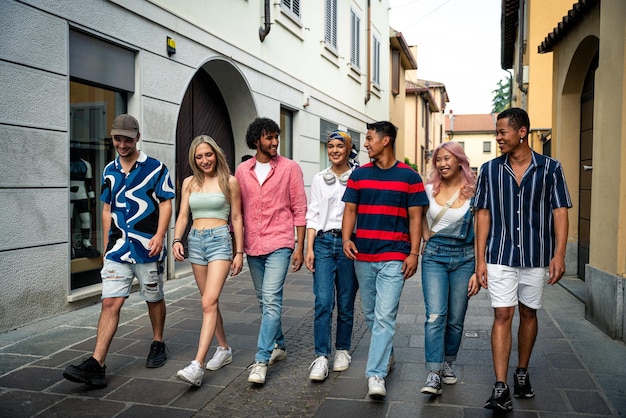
point(117, 279)
point(206, 245)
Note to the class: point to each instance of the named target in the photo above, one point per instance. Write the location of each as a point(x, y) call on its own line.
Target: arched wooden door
point(586, 165)
point(202, 112)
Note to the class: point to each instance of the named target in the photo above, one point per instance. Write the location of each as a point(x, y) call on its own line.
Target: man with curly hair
point(273, 203)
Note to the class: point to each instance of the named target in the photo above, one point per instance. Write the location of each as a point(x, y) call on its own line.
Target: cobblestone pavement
point(576, 370)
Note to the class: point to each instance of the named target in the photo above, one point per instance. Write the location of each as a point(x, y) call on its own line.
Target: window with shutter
point(293, 6)
point(330, 23)
point(395, 72)
point(355, 41)
point(376, 63)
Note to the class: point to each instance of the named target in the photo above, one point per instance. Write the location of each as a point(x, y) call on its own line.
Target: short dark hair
point(257, 128)
point(517, 117)
point(385, 128)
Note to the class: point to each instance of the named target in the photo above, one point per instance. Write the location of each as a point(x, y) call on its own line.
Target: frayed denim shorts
point(206, 245)
point(117, 279)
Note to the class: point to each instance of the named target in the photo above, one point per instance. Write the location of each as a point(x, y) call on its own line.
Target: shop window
point(97, 95)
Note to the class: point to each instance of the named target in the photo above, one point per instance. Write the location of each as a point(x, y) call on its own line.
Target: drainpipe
point(263, 31)
point(368, 94)
point(520, 60)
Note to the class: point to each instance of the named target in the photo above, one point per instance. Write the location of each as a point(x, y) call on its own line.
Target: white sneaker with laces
point(257, 372)
point(278, 354)
point(376, 386)
point(319, 369)
point(221, 358)
point(342, 361)
point(447, 374)
point(191, 374)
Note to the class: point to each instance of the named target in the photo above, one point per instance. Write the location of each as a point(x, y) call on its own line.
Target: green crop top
point(209, 205)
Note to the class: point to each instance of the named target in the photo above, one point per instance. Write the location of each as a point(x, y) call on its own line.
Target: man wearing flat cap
point(137, 194)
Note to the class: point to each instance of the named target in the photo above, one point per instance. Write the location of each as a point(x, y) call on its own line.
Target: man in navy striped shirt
point(385, 199)
point(521, 235)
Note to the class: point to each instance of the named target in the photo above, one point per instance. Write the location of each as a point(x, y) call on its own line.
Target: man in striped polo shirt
point(385, 199)
point(521, 235)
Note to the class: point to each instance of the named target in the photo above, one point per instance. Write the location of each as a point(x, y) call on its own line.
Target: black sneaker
point(522, 388)
point(500, 398)
point(89, 372)
point(157, 356)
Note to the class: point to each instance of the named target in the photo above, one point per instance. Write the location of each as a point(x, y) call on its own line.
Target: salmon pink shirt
point(272, 210)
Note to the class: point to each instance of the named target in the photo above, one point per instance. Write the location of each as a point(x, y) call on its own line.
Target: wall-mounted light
point(171, 46)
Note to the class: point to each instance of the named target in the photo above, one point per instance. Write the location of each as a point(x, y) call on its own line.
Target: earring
point(521, 140)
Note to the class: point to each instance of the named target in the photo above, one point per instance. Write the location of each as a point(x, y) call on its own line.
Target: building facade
point(588, 50)
point(183, 69)
point(476, 133)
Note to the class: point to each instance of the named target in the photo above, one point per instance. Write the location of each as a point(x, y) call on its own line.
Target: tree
point(501, 96)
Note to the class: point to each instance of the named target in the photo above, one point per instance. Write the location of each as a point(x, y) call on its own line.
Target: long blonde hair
point(221, 166)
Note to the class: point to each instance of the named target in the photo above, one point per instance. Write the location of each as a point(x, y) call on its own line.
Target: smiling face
point(126, 147)
point(338, 152)
point(508, 137)
point(447, 164)
point(267, 146)
point(374, 144)
point(205, 159)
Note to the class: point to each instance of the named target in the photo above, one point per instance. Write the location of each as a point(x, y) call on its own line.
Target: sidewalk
point(576, 370)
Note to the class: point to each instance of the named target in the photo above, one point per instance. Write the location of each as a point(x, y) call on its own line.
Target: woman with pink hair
point(448, 264)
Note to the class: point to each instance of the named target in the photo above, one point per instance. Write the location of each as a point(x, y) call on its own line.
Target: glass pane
point(92, 110)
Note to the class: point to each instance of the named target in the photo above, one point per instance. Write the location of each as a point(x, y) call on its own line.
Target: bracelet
point(176, 240)
point(343, 242)
point(239, 252)
point(415, 254)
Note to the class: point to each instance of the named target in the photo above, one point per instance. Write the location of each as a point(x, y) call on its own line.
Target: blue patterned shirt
point(134, 200)
point(521, 233)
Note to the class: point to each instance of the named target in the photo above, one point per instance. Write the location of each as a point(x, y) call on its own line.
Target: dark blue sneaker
point(500, 398)
point(157, 356)
point(89, 372)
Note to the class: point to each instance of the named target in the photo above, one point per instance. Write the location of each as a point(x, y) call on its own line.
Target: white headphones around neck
point(330, 177)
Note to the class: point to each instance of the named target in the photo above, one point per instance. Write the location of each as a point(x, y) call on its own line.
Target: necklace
point(522, 159)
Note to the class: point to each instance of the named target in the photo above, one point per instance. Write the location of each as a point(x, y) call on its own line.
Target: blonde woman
point(212, 196)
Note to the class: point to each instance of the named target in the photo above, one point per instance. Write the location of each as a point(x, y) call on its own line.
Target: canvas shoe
point(157, 356)
point(89, 372)
point(257, 372)
point(221, 358)
point(522, 387)
point(433, 384)
point(319, 369)
point(500, 398)
point(342, 361)
point(376, 387)
point(278, 354)
point(191, 374)
point(447, 374)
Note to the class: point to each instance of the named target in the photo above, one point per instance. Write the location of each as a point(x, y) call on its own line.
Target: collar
point(143, 157)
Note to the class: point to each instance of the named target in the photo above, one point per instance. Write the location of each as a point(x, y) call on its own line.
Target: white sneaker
point(376, 386)
point(191, 374)
point(447, 374)
point(278, 354)
point(221, 358)
point(257, 372)
point(342, 361)
point(319, 369)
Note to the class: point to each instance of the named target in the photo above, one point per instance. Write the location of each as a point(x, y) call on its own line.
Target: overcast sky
point(458, 44)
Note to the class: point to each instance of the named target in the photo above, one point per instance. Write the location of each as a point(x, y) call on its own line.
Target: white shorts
point(509, 285)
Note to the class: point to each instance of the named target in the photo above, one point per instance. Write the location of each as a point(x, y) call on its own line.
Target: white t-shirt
point(262, 170)
point(451, 216)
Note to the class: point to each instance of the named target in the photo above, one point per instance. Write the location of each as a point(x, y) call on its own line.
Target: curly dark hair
point(517, 117)
point(258, 128)
point(384, 128)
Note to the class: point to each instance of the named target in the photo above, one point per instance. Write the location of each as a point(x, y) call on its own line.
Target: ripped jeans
point(446, 271)
point(117, 279)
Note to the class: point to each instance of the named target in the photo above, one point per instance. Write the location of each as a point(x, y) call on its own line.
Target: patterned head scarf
point(353, 158)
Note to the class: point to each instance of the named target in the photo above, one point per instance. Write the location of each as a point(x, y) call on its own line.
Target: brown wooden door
point(202, 112)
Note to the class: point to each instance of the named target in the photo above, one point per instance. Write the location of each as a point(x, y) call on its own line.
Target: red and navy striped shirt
point(521, 233)
point(383, 198)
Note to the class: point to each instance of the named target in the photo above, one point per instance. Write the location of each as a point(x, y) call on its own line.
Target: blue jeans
point(333, 270)
point(381, 285)
point(268, 275)
point(446, 271)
